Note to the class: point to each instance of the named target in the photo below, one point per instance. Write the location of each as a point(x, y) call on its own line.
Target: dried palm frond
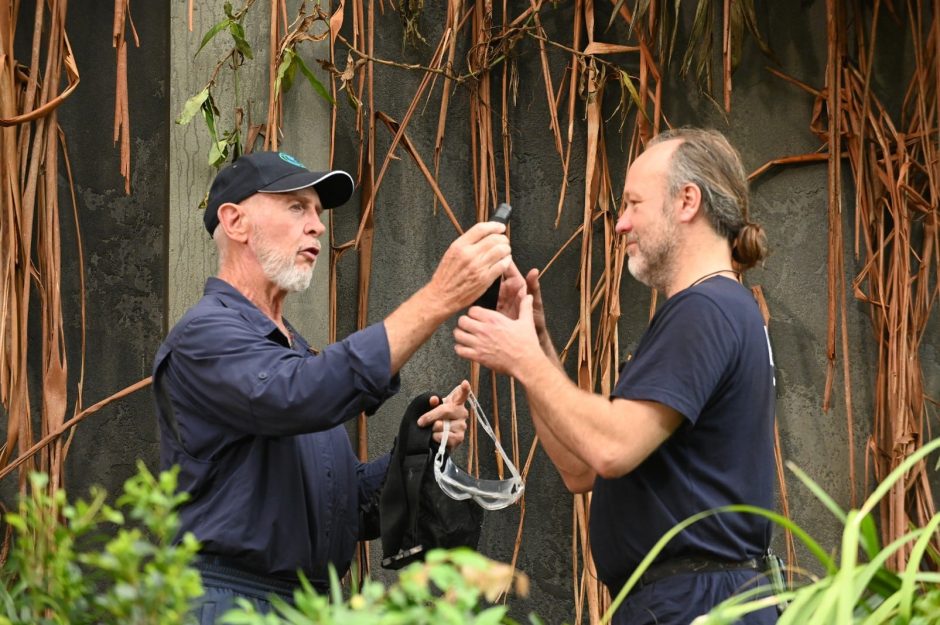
point(893, 163)
point(738, 19)
point(122, 116)
point(32, 146)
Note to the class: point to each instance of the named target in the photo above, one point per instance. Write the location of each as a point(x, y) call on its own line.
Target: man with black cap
point(253, 416)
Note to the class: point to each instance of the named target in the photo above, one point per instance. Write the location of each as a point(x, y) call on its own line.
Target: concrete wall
point(123, 237)
point(191, 252)
point(148, 254)
point(769, 119)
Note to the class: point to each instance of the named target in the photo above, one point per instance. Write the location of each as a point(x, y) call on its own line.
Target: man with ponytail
point(689, 425)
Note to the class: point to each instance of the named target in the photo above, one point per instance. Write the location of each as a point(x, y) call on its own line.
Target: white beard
point(281, 269)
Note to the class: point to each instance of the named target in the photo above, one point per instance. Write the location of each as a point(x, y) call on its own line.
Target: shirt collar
point(230, 297)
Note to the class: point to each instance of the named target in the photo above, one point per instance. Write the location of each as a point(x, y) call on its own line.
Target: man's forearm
point(411, 324)
point(577, 474)
point(574, 470)
point(610, 437)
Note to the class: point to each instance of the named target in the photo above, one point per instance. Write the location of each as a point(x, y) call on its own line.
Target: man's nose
point(315, 225)
point(624, 225)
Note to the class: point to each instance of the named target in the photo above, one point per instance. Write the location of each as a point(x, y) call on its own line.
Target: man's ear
point(234, 222)
point(689, 201)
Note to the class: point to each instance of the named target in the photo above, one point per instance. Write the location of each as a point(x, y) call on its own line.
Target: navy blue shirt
point(271, 474)
point(706, 354)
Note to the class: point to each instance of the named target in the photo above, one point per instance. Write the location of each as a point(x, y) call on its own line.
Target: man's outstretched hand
point(452, 409)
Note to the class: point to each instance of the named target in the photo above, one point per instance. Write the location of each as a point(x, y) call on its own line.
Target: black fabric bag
point(416, 515)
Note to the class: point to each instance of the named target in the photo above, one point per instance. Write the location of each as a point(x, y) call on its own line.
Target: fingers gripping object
point(490, 297)
point(458, 484)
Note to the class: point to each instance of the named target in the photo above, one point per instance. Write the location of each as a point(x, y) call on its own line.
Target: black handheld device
point(491, 296)
point(502, 213)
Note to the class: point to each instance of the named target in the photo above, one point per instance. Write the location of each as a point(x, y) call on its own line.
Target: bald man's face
point(285, 232)
point(648, 221)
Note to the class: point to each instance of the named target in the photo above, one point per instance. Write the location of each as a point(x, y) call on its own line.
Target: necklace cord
point(737, 276)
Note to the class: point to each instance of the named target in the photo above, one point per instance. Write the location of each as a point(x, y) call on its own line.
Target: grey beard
point(659, 266)
point(282, 271)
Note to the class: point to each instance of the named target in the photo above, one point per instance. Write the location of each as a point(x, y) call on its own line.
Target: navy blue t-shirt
point(706, 354)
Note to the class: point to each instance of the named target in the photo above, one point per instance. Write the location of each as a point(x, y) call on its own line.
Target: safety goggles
point(458, 484)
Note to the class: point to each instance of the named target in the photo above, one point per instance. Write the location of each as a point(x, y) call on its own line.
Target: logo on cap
point(290, 159)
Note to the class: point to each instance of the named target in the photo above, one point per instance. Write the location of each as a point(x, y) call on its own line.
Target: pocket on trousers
point(207, 613)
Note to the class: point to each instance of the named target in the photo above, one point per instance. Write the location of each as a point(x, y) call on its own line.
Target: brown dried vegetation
point(893, 161)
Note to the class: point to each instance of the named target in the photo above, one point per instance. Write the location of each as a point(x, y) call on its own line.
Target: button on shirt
point(272, 477)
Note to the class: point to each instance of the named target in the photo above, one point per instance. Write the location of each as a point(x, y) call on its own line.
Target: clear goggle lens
point(458, 484)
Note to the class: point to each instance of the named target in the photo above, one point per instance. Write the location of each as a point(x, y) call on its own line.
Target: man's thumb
point(525, 309)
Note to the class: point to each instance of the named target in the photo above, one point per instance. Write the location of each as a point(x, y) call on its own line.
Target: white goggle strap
point(485, 424)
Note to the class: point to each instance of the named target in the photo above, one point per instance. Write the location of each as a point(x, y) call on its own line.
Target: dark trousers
point(224, 584)
point(679, 599)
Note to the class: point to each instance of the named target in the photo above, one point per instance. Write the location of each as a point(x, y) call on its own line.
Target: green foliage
point(88, 562)
point(852, 591)
point(233, 24)
point(860, 588)
point(450, 588)
point(227, 144)
point(82, 563)
point(286, 71)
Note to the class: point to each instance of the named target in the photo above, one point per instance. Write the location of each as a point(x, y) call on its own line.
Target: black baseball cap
point(273, 172)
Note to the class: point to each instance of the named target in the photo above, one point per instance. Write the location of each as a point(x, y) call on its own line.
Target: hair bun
point(749, 246)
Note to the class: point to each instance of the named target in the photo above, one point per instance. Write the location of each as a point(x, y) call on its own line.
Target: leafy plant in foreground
point(448, 588)
point(79, 563)
point(858, 588)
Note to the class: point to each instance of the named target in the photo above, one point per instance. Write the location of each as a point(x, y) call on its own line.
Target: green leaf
point(447, 613)
point(675, 30)
point(700, 37)
point(241, 44)
point(218, 152)
point(868, 536)
point(750, 18)
point(818, 491)
point(909, 576)
point(208, 113)
point(464, 556)
point(16, 521)
point(888, 483)
point(316, 84)
point(285, 73)
point(634, 94)
point(212, 32)
point(192, 107)
point(614, 13)
point(492, 616)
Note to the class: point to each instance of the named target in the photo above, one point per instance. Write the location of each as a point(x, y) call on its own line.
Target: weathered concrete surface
point(191, 252)
point(148, 254)
point(770, 119)
point(123, 237)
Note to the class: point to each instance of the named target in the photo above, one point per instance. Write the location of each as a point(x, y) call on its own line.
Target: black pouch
point(416, 515)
